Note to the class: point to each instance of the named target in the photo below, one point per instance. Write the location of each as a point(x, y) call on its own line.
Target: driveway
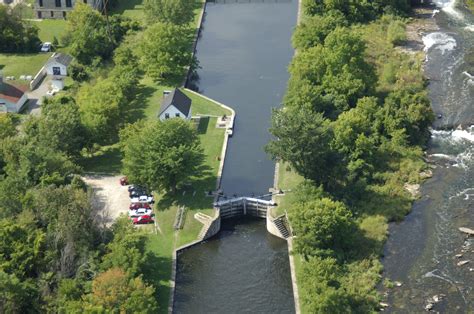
point(35, 97)
point(110, 199)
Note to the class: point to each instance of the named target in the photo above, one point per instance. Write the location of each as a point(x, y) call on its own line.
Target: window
point(56, 71)
point(58, 3)
point(85, 1)
point(64, 14)
point(69, 3)
point(39, 14)
point(167, 115)
point(177, 115)
point(40, 3)
point(52, 14)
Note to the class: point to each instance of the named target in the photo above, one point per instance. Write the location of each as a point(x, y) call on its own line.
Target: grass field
point(12, 64)
point(288, 180)
point(48, 29)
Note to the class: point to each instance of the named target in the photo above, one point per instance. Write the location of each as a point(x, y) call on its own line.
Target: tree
point(114, 291)
point(21, 249)
point(314, 29)
point(127, 249)
point(321, 290)
point(87, 34)
point(66, 214)
point(161, 155)
point(164, 51)
point(17, 296)
point(16, 35)
point(179, 12)
point(322, 227)
point(303, 139)
point(60, 126)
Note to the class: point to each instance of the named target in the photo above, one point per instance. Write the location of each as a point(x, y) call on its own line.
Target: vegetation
point(355, 119)
point(55, 254)
point(164, 51)
point(178, 12)
point(16, 35)
point(161, 155)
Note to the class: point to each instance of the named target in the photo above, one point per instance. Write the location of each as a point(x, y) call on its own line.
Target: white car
point(140, 212)
point(143, 199)
point(46, 47)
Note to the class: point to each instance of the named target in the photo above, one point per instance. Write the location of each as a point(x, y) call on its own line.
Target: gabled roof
point(178, 99)
point(10, 93)
point(62, 58)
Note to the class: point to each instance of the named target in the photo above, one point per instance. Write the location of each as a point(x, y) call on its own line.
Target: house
point(57, 65)
point(175, 104)
point(12, 98)
point(57, 68)
point(58, 9)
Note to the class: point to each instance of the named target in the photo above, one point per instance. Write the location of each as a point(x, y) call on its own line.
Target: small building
point(175, 105)
point(57, 68)
point(12, 98)
point(58, 9)
point(57, 65)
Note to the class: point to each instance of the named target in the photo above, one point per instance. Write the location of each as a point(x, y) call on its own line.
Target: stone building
point(58, 9)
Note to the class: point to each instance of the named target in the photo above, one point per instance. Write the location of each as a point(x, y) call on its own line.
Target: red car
point(139, 205)
point(123, 181)
point(145, 219)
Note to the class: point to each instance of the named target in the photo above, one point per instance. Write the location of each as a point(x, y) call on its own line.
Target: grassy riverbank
point(470, 5)
point(331, 262)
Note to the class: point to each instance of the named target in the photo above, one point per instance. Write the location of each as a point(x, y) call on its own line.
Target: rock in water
point(469, 231)
point(461, 263)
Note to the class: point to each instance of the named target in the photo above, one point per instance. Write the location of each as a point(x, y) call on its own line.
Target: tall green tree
point(88, 35)
point(17, 35)
point(179, 12)
point(165, 51)
point(161, 155)
point(323, 228)
point(303, 140)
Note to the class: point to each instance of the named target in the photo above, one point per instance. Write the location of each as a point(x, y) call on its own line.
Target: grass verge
point(14, 64)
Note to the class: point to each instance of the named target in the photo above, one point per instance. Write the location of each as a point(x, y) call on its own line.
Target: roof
point(10, 93)
point(178, 99)
point(62, 58)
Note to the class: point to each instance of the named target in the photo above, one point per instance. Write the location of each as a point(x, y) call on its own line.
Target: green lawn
point(288, 180)
point(48, 29)
point(12, 64)
point(129, 8)
point(470, 5)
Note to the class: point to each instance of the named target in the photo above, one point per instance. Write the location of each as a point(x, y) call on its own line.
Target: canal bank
point(243, 61)
point(427, 253)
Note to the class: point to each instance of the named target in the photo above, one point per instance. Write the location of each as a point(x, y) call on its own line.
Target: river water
point(423, 252)
point(243, 51)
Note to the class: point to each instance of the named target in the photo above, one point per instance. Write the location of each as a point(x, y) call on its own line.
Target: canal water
point(425, 251)
point(243, 52)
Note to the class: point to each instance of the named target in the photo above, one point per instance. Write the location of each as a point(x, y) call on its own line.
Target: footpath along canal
point(243, 51)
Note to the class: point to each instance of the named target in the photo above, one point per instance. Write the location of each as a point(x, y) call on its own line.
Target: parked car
point(139, 205)
point(137, 193)
point(123, 181)
point(46, 47)
point(145, 219)
point(143, 199)
point(140, 212)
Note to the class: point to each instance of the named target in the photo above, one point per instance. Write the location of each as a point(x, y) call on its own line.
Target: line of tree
point(17, 35)
point(55, 253)
point(353, 124)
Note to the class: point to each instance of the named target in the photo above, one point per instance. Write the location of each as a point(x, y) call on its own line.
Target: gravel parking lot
point(110, 198)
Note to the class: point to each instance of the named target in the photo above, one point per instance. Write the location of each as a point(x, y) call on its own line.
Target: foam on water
point(449, 6)
point(441, 41)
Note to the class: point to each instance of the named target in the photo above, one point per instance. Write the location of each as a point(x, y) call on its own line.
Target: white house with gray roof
point(175, 105)
point(57, 65)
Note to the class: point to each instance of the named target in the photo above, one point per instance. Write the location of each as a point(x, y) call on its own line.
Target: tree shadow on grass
point(203, 125)
point(157, 271)
point(193, 195)
point(139, 104)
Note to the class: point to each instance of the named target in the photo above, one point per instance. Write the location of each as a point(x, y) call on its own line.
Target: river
point(424, 251)
point(243, 52)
